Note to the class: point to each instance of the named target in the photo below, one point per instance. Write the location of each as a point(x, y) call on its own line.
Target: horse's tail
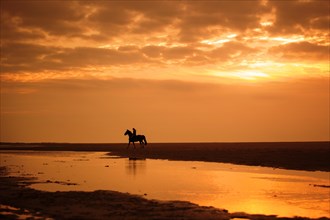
point(145, 140)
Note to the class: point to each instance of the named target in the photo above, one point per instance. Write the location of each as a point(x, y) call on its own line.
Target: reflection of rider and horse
point(132, 137)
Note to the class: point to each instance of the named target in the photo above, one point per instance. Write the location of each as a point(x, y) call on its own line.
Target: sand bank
point(308, 156)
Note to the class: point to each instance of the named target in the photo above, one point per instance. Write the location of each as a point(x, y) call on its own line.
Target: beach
point(94, 205)
point(309, 156)
point(18, 199)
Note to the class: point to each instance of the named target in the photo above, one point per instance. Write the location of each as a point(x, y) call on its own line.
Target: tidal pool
point(237, 188)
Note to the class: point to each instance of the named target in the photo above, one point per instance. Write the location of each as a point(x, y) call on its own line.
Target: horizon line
point(198, 142)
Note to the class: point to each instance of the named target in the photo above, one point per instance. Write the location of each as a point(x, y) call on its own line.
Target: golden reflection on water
point(254, 190)
point(135, 166)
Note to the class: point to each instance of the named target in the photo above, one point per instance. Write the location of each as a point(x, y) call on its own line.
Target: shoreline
point(308, 156)
point(17, 199)
point(99, 204)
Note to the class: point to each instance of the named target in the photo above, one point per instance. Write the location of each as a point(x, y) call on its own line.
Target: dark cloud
point(302, 51)
point(16, 57)
point(178, 52)
point(53, 17)
point(153, 51)
point(97, 56)
point(156, 9)
point(233, 11)
point(320, 23)
point(294, 17)
point(9, 30)
point(154, 16)
point(128, 48)
point(210, 18)
point(109, 18)
point(31, 57)
point(113, 18)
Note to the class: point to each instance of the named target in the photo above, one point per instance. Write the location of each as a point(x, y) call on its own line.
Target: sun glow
point(215, 42)
point(251, 75)
point(248, 75)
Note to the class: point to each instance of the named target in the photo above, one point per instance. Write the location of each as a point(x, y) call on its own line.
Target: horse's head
point(128, 132)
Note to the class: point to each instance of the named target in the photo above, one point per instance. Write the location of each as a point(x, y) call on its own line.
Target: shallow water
point(237, 188)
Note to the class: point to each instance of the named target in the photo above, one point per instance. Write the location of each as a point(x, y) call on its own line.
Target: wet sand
point(17, 200)
point(310, 156)
point(94, 205)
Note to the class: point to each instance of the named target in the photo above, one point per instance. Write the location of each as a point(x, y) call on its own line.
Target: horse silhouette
point(134, 138)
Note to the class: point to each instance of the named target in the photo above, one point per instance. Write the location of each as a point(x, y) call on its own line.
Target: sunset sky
point(177, 71)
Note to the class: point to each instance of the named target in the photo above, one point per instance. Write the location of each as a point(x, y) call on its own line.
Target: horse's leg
point(128, 144)
point(145, 140)
point(133, 144)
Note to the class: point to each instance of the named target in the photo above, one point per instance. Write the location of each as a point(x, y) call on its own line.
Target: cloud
point(24, 57)
point(84, 56)
point(178, 52)
point(302, 51)
point(191, 21)
point(153, 51)
point(231, 50)
point(154, 17)
point(18, 57)
point(212, 18)
point(103, 35)
point(110, 19)
point(53, 17)
point(10, 31)
point(294, 17)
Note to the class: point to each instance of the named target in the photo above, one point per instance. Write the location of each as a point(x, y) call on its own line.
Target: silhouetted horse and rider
point(132, 137)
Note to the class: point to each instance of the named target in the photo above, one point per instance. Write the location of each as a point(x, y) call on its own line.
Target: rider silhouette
point(134, 132)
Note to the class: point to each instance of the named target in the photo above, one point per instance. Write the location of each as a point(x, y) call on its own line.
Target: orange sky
point(177, 71)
